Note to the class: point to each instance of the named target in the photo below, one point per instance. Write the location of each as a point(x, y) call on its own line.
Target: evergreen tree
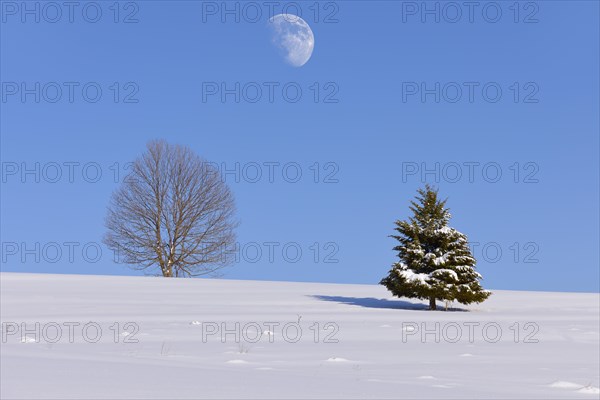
point(435, 260)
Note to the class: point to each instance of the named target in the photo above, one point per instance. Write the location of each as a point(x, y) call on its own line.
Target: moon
point(293, 36)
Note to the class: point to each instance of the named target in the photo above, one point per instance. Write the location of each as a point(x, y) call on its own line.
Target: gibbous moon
point(292, 35)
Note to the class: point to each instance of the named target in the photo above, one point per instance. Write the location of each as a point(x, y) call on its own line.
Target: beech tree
point(172, 213)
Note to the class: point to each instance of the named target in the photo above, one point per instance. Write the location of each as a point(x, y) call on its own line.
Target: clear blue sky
point(367, 143)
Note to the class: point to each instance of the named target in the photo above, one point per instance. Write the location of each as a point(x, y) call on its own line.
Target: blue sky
point(534, 227)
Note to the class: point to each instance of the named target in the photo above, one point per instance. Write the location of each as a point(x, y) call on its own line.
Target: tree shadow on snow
point(371, 302)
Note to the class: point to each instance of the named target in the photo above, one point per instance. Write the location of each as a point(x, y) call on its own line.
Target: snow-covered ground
point(356, 341)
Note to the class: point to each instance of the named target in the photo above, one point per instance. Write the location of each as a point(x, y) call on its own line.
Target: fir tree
point(435, 260)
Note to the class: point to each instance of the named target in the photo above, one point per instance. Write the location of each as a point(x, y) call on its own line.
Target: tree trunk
point(432, 305)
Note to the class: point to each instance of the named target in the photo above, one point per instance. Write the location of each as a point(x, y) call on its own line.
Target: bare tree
point(172, 212)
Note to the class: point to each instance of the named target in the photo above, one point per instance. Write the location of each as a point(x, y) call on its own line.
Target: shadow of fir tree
point(371, 302)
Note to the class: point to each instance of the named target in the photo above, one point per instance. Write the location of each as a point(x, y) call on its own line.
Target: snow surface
point(369, 360)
